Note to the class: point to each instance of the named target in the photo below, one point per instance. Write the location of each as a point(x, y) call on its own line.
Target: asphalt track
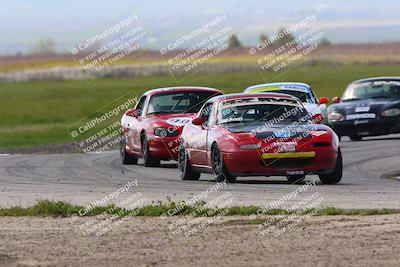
point(84, 178)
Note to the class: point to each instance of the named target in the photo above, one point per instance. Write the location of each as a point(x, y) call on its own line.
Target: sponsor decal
point(281, 87)
point(361, 116)
point(294, 88)
point(295, 172)
point(286, 146)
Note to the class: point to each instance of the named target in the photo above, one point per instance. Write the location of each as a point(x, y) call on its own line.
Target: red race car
point(264, 134)
point(151, 130)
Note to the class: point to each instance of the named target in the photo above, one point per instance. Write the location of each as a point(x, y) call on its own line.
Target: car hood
point(277, 130)
point(364, 106)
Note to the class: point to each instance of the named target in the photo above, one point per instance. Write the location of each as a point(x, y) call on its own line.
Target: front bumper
point(164, 147)
point(255, 163)
point(368, 127)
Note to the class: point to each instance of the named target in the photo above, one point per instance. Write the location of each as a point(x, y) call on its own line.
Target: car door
point(199, 137)
point(135, 126)
point(213, 133)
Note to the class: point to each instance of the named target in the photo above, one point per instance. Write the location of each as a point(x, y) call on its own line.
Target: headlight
point(391, 112)
point(250, 147)
point(335, 116)
point(317, 133)
point(166, 132)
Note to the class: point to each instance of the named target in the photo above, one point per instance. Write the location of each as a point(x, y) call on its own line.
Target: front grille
point(322, 144)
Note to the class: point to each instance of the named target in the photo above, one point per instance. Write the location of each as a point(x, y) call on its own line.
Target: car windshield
point(372, 90)
point(254, 112)
point(303, 96)
point(178, 102)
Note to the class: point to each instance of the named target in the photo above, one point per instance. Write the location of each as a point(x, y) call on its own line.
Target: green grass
point(46, 208)
point(381, 58)
point(39, 112)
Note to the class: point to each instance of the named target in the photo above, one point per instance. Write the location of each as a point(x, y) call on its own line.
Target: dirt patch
point(322, 241)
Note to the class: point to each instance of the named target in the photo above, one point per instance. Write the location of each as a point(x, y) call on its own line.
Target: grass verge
point(47, 208)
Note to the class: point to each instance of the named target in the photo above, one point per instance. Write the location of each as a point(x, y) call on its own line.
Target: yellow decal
point(266, 89)
point(290, 155)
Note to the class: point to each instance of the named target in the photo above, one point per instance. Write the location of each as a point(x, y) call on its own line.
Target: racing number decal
point(363, 107)
point(179, 121)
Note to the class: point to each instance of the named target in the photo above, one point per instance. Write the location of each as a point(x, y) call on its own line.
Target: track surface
point(82, 179)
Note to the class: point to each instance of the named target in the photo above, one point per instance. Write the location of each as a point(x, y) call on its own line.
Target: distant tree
point(324, 43)
point(284, 38)
point(44, 46)
point(94, 46)
point(264, 37)
point(234, 42)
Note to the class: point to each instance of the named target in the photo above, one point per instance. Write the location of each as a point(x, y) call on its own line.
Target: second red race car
point(151, 130)
point(264, 134)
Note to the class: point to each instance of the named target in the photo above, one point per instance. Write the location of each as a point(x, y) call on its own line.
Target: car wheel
point(355, 138)
point(149, 160)
point(184, 167)
point(336, 175)
point(126, 158)
point(219, 169)
point(295, 178)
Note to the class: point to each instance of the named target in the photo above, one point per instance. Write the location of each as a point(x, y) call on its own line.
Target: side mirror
point(323, 100)
point(131, 112)
point(336, 99)
point(318, 118)
point(198, 121)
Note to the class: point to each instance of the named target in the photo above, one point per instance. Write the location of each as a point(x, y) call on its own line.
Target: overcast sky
point(67, 22)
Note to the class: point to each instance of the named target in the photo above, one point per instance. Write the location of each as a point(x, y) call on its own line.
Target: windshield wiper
point(160, 112)
point(379, 96)
point(234, 121)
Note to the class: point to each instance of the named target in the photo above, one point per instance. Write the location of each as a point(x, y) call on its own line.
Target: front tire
point(337, 173)
point(126, 158)
point(219, 168)
point(184, 166)
point(149, 160)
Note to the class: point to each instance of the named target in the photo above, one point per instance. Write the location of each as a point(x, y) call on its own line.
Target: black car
point(368, 107)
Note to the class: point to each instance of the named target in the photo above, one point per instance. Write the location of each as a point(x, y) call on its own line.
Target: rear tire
point(337, 173)
point(219, 168)
point(149, 160)
point(295, 178)
point(186, 171)
point(126, 158)
point(355, 138)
